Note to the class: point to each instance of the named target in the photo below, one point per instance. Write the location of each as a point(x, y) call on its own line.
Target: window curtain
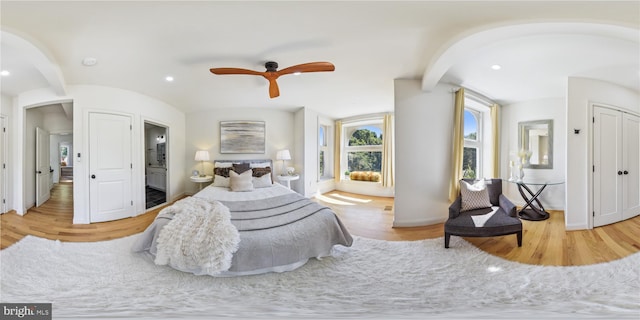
point(388, 153)
point(495, 139)
point(458, 145)
point(336, 151)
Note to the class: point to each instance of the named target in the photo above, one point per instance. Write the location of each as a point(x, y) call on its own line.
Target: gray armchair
point(505, 221)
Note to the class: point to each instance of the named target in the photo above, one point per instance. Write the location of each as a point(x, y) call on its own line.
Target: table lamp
point(202, 156)
point(283, 155)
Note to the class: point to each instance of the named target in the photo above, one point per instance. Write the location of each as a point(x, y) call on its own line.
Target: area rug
point(371, 280)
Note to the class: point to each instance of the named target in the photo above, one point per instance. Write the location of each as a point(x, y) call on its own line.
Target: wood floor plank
point(544, 242)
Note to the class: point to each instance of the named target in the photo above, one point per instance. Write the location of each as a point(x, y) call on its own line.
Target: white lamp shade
point(283, 155)
point(202, 155)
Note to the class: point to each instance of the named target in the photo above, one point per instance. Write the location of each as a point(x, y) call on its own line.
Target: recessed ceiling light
point(169, 78)
point(496, 67)
point(88, 61)
point(5, 73)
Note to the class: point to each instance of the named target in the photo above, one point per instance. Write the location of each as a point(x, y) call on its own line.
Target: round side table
point(200, 180)
point(288, 179)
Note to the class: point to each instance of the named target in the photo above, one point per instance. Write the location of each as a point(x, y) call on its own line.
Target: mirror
point(535, 144)
point(160, 153)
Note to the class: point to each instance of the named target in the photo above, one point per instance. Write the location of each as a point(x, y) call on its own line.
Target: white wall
point(105, 99)
point(553, 197)
point(582, 94)
point(423, 129)
point(203, 133)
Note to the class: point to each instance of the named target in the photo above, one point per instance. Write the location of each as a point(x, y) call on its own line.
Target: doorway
point(156, 160)
point(46, 127)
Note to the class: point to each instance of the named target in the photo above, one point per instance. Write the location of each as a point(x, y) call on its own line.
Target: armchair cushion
point(474, 196)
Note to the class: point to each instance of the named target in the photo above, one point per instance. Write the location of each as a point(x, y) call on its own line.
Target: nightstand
point(200, 180)
point(288, 179)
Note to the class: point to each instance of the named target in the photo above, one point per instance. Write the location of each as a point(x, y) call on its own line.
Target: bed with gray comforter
point(279, 230)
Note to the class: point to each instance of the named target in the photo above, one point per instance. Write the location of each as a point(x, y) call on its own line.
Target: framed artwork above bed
point(242, 137)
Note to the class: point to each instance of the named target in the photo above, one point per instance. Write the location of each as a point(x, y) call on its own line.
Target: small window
point(472, 144)
point(322, 148)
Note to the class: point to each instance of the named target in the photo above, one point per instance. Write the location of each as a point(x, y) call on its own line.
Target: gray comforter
point(276, 234)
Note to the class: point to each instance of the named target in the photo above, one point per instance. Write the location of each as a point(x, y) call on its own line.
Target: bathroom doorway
point(156, 173)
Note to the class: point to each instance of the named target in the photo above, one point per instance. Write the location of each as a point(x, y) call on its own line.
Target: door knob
point(93, 176)
point(626, 172)
point(39, 172)
point(619, 173)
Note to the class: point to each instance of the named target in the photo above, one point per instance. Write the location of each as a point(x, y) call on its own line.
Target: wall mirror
point(535, 141)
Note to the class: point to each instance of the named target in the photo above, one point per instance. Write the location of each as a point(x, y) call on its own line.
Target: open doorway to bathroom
point(155, 147)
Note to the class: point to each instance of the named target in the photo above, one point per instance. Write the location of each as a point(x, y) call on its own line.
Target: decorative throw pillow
point(220, 181)
point(259, 172)
point(222, 171)
point(241, 182)
point(240, 167)
point(262, 182)
point(475, 196)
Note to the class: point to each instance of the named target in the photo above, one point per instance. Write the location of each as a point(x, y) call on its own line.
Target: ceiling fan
point(272, 72)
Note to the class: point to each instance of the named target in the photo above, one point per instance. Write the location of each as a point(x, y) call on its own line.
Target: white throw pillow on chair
point(474, 196)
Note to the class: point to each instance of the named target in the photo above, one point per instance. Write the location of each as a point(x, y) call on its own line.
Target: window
point(322, 151)
point(363, 146)
point(472, 155)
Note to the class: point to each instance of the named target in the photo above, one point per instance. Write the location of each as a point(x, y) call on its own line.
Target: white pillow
point(241, 182)
point(475, 196)
point(220, 181)
point(260, 165)
point(222, 164)
point(262, 182)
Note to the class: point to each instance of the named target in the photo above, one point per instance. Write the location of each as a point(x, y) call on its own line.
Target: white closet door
point(607, 159)
point(110, 166)
point(3, 167)
point(630, 166)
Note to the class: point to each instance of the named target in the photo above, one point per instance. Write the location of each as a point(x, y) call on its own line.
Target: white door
point(110, 167)
point(43, 173)
point(607, 161)
point(3, 167)
point(630, 166)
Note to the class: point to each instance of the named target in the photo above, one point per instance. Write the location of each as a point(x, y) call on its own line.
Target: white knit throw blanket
point(199, 237)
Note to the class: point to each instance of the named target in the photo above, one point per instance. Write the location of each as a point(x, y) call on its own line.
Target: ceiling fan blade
point(273, 87)
point(234, 71)
point(308, 67)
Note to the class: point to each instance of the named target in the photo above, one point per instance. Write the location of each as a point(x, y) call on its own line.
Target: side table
point(288, 179)
point(533, 209)
point(200, 180)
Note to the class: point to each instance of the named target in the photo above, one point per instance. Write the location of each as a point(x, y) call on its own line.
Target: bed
point(278, 230)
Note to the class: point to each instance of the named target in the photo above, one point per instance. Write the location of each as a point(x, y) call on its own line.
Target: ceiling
point(539, 45)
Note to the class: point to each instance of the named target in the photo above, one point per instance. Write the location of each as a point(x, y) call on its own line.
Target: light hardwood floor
point(544, 242)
